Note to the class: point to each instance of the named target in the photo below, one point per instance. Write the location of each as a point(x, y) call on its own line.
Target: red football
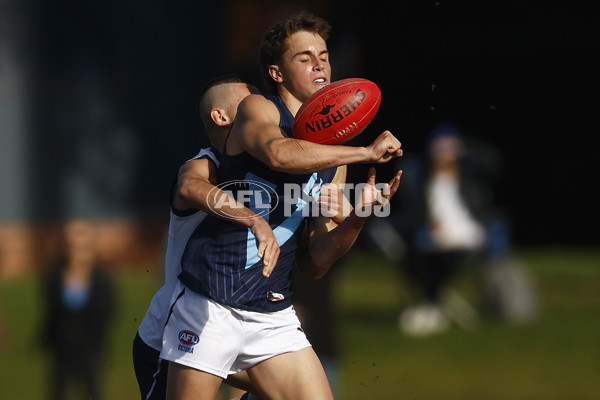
point(338, 112)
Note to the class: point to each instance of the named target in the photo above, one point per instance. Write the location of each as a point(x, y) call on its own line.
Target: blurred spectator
point(79, 296)
point(448, 217)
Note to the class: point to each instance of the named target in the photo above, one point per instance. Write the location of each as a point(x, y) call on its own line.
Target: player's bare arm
point(327, 241)
point(257, 131)
point(196, 189)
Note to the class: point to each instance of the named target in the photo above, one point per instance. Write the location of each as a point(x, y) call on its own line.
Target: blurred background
point(97, 111)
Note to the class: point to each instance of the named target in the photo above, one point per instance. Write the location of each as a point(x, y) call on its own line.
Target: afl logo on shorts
point(188, 338)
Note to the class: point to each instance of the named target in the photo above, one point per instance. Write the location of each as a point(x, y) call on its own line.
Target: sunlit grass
point(557, 356)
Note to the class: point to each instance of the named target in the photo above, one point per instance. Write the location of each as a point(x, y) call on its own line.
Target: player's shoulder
point(254, 98)
point(209, 153)
point(207, 160)
point(256, 105)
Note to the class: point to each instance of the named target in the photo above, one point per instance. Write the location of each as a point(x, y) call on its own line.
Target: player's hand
point(334, 204)
point(373, 197)
point(268, 249)
point(384, 148)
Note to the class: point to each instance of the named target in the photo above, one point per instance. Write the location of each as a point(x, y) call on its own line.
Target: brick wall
point(25, 249)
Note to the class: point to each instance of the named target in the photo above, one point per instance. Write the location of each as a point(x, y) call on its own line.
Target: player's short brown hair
point(275, 40)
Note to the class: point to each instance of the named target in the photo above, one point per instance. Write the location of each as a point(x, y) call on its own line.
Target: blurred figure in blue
point(79, 298)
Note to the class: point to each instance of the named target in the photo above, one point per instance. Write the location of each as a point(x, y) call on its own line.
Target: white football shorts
point(222, 340)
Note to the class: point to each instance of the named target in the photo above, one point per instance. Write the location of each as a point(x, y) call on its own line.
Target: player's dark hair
point(219, 80)
point(275, 41)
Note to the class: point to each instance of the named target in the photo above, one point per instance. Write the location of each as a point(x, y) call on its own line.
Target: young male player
point(217, 108)
point(228, 317)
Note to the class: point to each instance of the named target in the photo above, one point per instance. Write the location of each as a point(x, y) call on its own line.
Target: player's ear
point(275, 73)
point(219, 117)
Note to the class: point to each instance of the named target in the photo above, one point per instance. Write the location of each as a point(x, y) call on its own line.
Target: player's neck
point(292, 103)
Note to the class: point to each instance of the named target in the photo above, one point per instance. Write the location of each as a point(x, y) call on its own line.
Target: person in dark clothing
point(79, 299)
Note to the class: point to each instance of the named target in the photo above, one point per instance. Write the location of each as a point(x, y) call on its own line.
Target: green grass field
point(557, 356)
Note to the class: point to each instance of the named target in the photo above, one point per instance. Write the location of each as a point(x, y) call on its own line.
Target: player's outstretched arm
point(257, 131)
point(326, 241)
point(196, 190)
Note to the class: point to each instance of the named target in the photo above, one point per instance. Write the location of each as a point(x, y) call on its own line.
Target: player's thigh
point(241, 380)
point(185, 383)
point(296, 375)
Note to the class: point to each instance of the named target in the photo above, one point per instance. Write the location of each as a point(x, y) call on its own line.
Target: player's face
point(305, 65)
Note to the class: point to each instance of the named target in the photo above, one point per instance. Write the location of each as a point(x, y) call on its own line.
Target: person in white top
point(442, 222)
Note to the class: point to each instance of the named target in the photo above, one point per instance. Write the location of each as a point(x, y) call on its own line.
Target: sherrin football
point(338, 112)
